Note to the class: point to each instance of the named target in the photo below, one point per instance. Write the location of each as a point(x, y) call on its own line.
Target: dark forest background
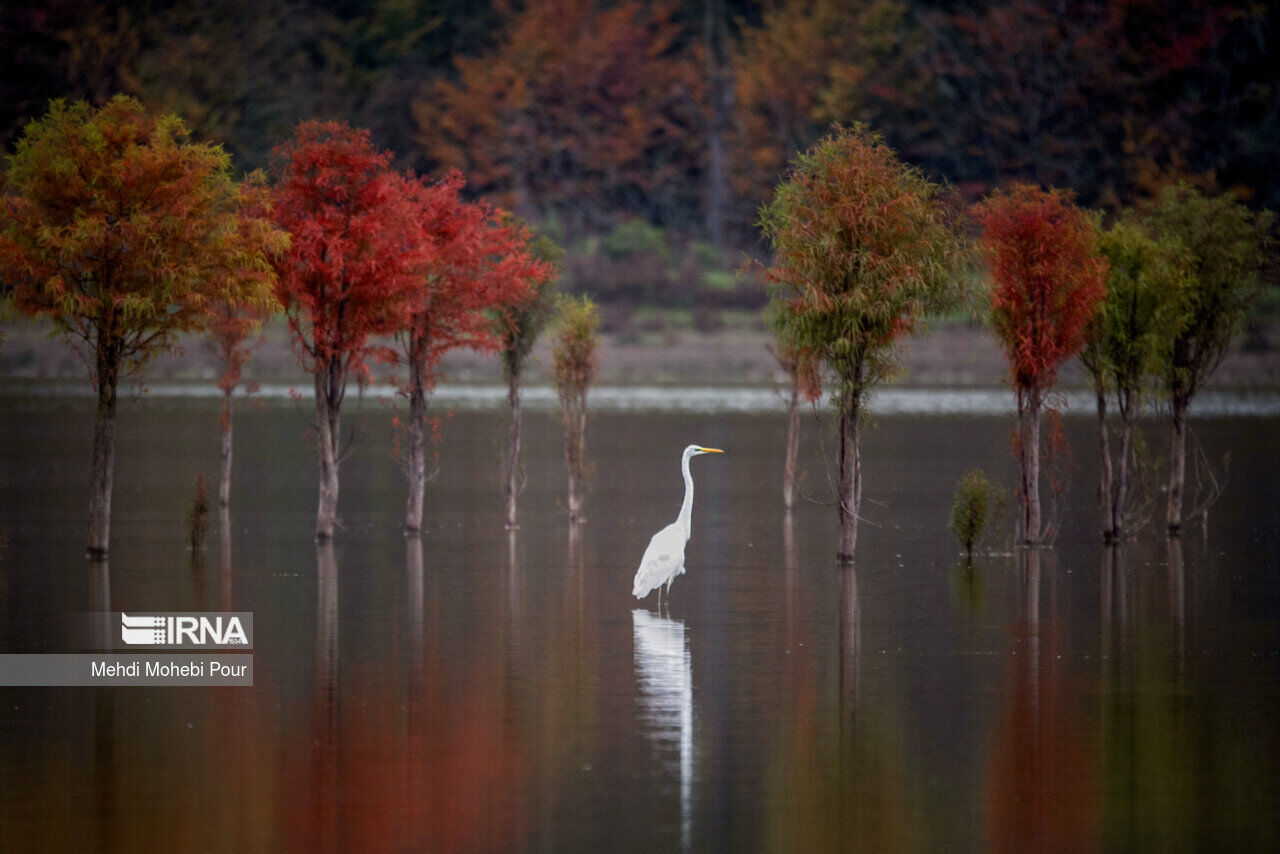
point(644, 136)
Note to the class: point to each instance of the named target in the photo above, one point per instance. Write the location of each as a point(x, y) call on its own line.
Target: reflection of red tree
point(1042, 784)
point(442, 772)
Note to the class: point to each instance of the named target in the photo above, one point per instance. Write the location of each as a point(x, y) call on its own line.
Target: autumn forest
point(579, 115)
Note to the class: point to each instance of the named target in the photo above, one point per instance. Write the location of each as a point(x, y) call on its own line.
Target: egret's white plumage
point(664, 558)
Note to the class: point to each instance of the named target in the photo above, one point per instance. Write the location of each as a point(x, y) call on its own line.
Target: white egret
point(664, 558)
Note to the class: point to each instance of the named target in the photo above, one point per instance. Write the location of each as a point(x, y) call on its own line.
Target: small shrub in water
point(971, 508)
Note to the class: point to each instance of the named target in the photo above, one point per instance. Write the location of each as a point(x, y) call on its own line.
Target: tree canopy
point(1145, 309)
point(1047, 278)
point(356, 257)
point(1227, 247)
point(125, 232)
point(863, 248)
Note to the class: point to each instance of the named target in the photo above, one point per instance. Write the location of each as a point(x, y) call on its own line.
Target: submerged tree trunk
point(793, 441)
point(1105, 480)
point(1120, 501)
point(417, 440)
point(850, 470)
point(104, 430)
point(224, 486)
point(1030, 453)
point(513, 448)
point(1177, 461)
point(328, 406)
point(575, 446)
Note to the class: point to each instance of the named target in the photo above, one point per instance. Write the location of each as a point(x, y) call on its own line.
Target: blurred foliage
point(583, 115)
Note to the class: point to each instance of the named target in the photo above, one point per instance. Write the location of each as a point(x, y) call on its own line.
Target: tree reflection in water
point(1042, 791)
point(431, 762)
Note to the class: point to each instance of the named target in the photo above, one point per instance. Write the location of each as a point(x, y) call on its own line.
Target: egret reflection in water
point(664, 671)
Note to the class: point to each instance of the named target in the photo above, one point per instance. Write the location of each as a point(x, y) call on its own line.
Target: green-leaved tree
point(1143, 312)
point(1227, 246)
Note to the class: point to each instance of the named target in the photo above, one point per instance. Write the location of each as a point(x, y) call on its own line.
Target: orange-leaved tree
point(124, 232)
point(1048, 281)
point(351, 273)
point(863, 248)
point(478, 264)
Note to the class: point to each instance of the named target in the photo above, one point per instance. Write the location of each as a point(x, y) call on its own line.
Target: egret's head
point(695, 450)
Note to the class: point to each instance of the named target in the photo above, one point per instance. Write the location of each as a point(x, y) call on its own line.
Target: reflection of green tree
point(968, 588)
point(843, 781)
point(826, 792)
point(1181, 769)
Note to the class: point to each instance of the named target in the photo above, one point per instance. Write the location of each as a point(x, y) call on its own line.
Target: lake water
point(480, 692)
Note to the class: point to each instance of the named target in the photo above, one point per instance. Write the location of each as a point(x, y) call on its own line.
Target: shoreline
point(950, 356)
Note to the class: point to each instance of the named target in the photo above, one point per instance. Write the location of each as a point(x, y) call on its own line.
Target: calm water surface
point(476, 691)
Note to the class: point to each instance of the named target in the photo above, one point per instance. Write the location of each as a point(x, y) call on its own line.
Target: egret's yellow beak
point(710, 450)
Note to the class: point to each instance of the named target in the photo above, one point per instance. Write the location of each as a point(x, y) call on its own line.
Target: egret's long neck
point(686, 509)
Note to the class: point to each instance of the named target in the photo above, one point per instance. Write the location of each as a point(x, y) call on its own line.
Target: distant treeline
point(584, 115)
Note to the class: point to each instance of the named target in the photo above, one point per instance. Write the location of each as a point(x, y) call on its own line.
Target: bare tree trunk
point(1031, 467)
point(850, 472)
point(1105, 480)
point(1177, 462)
point(575, 447)
point(104, 433)
point(417, 444)
point(513, 447)
point(327, 434)
point(1128, 415)
point(224, 487)
point(224, 537)
point(793, 442)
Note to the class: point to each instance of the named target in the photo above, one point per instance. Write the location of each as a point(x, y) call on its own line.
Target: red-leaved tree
point(476, 264)
point(1047, 284)
point(352, 272)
